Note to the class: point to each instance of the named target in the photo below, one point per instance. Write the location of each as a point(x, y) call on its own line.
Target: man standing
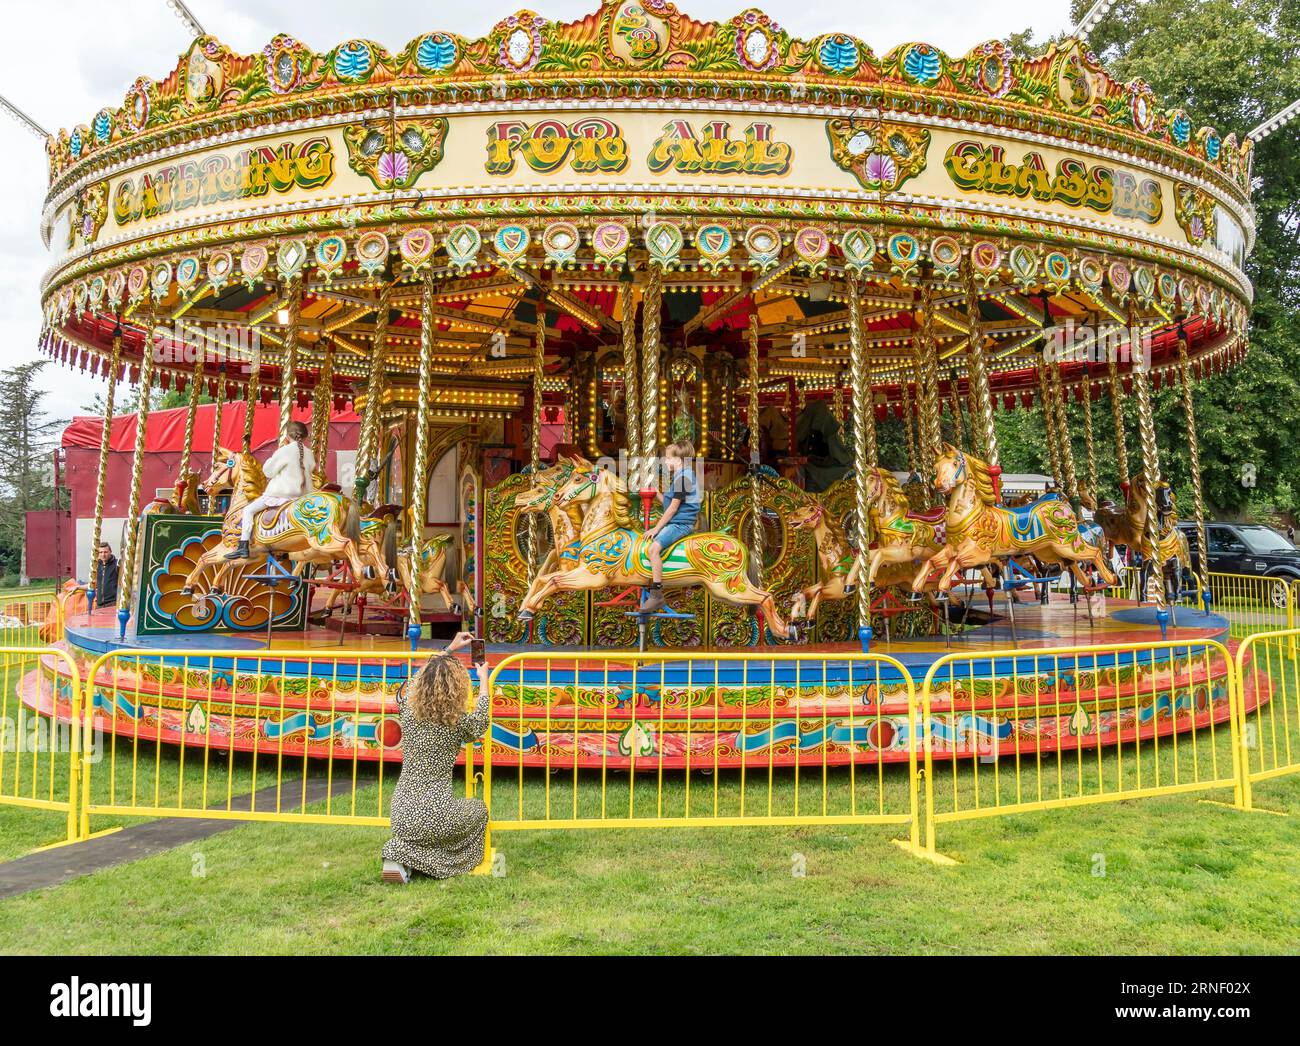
point(288, 472)
point(105, 576)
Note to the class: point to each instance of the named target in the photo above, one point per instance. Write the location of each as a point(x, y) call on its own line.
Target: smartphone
point(477, 651)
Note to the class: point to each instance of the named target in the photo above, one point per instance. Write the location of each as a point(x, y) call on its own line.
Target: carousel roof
point(528, 174)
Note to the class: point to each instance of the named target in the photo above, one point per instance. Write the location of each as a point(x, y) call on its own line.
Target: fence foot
point(74, 842)
point(1245, 809)
point(933, 856)
point(485, 868)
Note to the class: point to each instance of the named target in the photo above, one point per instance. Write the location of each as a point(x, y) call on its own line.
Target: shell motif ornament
point(394, 157)
point(882, 156)
point(1194, 212)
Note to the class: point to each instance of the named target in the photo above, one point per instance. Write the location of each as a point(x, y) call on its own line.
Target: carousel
point(531, 260)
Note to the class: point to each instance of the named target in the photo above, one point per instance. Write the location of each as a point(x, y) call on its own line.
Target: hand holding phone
point(478, 652)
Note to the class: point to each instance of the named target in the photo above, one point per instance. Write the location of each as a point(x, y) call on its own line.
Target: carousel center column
point(125, 583)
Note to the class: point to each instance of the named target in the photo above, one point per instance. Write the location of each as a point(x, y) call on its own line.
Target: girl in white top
point(288, 472)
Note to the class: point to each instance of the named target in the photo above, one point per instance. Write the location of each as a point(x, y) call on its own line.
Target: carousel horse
point(317, 528)
point(837, 574)
point(612, 550)
point(566, 522)
point(1128, 527)
point(902, 535)
point(378, 550)
point(980, 531)
point(184, 499)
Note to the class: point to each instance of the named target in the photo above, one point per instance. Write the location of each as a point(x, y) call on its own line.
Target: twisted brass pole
point(906, 393)
point(928, 390)
point(126, 581)
point(252, 394)
point(1194, 457)
point(420, 479)
point(958, 428)
point(1088, 438)
point(631, 394)
point(1117, 409)
point(862, 461)
point(1063, 433)
point(289, 365)
point(755, 492)
point(535, 440)
point(1049, 423)
point(651, 313)
point(322, 405)
point(368, 437)
point(1150, 466)
point(196, 391)
point(978, 373)
point(97, 533)
point(217, 411)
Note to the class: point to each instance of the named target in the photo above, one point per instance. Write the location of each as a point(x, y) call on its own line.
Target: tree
point(27, 439)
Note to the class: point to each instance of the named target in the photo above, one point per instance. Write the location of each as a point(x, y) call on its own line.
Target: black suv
point(1250, 549)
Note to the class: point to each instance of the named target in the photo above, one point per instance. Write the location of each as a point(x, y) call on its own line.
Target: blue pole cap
point(1162, 616)
point(865, 635)
point(123, 616)
point(413, 634)
point(1207, 597)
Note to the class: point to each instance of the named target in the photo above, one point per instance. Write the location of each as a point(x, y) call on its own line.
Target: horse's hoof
point(188, 590)
point(525, 615)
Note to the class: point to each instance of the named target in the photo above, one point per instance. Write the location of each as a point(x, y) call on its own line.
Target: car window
point(1221, 539)
point(1261, 540)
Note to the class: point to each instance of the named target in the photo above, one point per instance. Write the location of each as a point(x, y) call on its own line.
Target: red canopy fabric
point(165, 431)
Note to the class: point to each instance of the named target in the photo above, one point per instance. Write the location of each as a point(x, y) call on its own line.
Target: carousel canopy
point(257, 207)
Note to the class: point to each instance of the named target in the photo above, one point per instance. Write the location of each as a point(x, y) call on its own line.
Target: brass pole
point(218, 410)
point(862, 462)
point(931, 443)
point(322, 406)
point(1117, 409)
point(125, 582)
point(535, 439)
point(631, 394)
point(97, 533)
point(906, 387)
point(1088, 437)
point(289, 365)
point(420, 479)
point(196, 391)
point(368, 437)
point(651, 310)
point(978, 373)
point(755, 491)
point(1150, 465)
point(1063, 433)
point(1194, 457)
point(1049, 423)
point(252, 395)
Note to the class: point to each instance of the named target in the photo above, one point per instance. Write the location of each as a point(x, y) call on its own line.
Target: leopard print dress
point(435, 831)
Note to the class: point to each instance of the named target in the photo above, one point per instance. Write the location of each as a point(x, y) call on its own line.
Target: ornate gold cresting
point(289, 364)
point(1194, 457)
point(97, 533)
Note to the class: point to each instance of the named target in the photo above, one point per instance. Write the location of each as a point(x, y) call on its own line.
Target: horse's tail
point(390, 544)
point(352, 524)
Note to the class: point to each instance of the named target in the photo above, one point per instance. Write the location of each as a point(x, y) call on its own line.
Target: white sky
point(65, 59)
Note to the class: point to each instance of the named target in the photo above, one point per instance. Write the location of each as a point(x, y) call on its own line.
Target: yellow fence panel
point(1269, 705)
point(300, 736)
point(1006, 732)
point(30, 619)
point(682, 739)
point(1251, 603)
point(40, 738)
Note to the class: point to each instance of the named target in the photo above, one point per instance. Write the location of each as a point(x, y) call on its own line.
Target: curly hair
point(439, 693)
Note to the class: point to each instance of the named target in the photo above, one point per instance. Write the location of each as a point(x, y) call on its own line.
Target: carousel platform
point(304, 694)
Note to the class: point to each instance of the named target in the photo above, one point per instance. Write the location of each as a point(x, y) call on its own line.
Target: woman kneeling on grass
point(435, 831)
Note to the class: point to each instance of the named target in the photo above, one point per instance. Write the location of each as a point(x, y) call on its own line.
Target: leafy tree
point(27, 438)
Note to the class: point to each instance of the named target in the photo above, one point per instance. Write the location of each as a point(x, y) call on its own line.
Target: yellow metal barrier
point(1038, 729)
point(187, 735)
point(1268, 694)
point(686, 739)
point(1253, 603)
point(22, 618)
point(40, 736)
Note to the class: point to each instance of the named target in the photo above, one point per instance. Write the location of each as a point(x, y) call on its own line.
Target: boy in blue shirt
point(681, 503)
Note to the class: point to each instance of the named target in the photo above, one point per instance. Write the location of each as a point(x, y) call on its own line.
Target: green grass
point(1179, 877)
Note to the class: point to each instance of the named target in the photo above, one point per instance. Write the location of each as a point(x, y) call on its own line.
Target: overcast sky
point(65, 59)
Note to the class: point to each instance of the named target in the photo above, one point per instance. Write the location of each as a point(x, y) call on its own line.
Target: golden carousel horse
point(566, 522)
point(321, 527)
point(612, 550)
point(1129, 527)
point(902, 535)
point(184, 499)
point(837, 563)
point(980, 531)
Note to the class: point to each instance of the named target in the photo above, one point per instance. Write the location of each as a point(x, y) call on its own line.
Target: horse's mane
point(252, 480)
point(979, 470)
point(620, 501)
point(894, 492)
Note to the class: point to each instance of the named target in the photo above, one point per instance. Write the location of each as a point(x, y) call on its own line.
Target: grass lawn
point(1161, 876)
